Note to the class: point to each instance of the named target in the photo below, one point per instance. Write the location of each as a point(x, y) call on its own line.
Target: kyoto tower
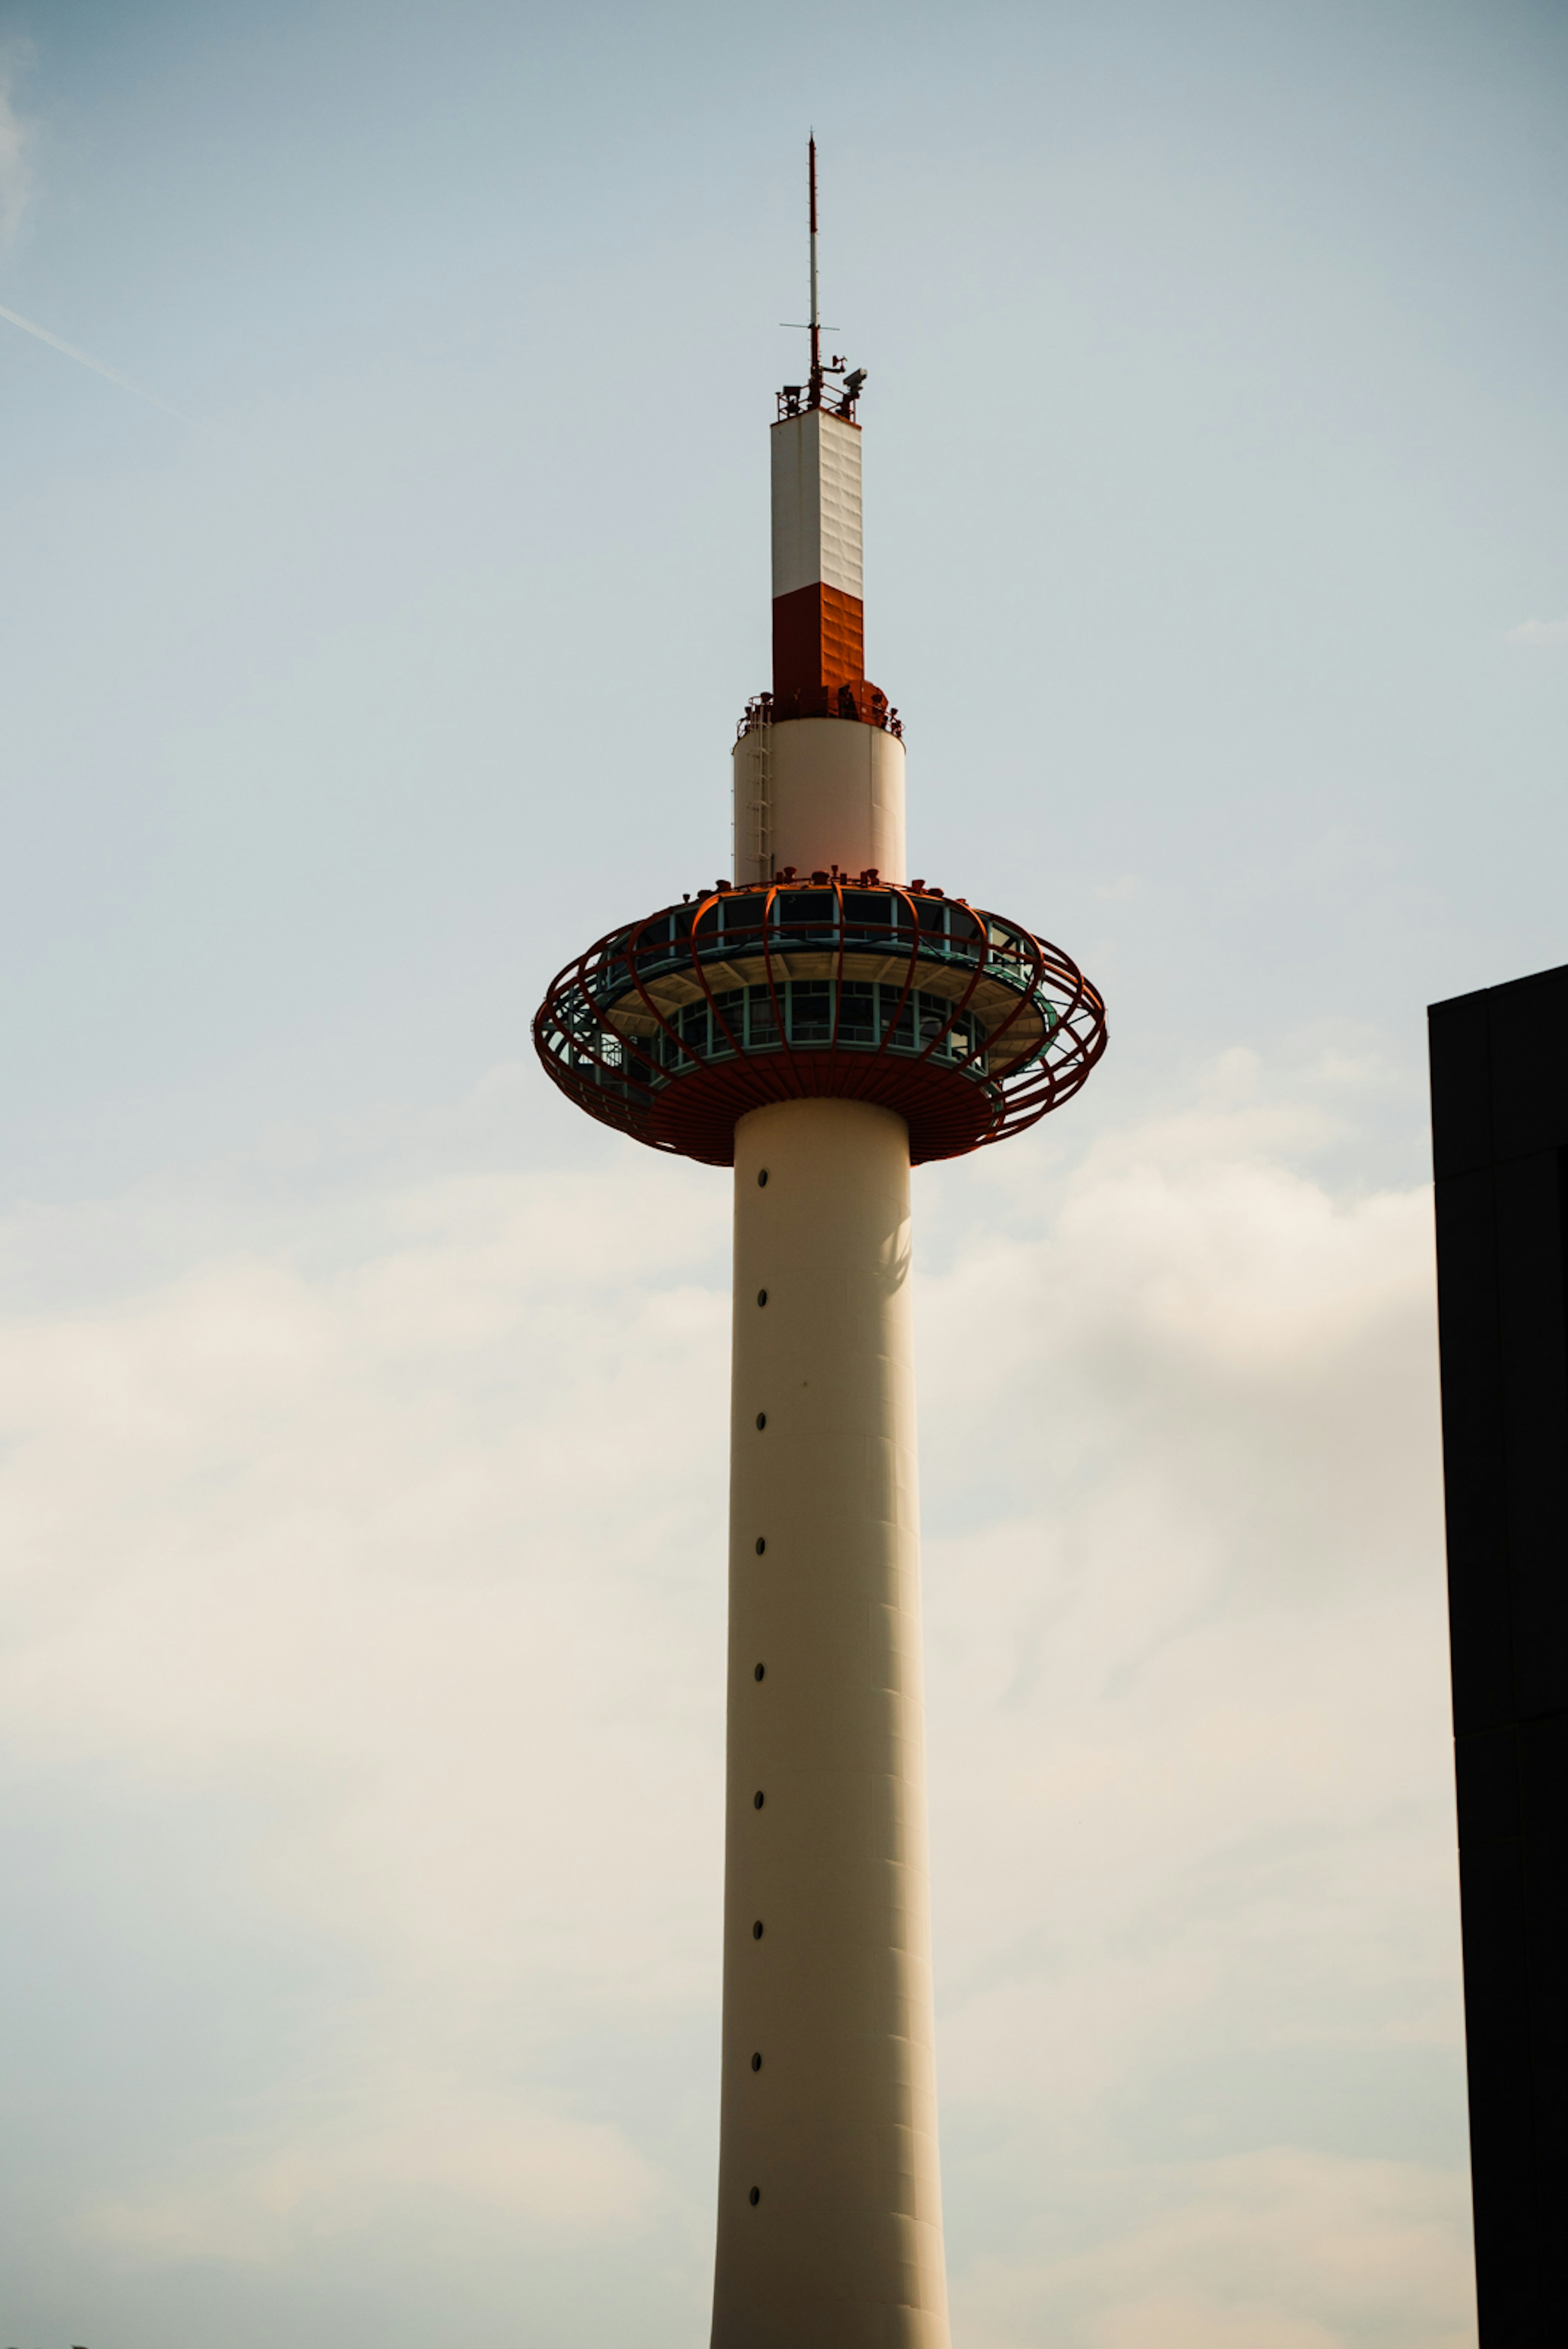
point(822, 1024)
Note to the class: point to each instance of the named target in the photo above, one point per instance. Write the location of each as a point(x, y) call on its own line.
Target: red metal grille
point(673, 1028)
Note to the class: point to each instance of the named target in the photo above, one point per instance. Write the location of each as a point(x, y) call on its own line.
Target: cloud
point(387, 1562)
point(404, 1553)
point(355, 1531)
point(1540, 632)
point(15, 143)
point(1284, 2250)
point(85, 358)
point(1190, 1751)
point(423, 2144)
point(16, 139)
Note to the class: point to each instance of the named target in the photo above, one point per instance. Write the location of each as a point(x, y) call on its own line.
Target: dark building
point(1499, 1129)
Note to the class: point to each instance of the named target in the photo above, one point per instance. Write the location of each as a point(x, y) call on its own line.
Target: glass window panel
point(741, 919)
point(804, 910)
point(856, 1010)
point(899, 1024)
point(810, 1014)
point(865, 909)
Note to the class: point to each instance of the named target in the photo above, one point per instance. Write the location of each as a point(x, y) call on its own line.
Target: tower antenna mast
point(815, 395)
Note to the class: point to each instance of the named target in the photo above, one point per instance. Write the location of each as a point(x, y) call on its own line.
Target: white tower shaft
point(830, 2227)
point(829, 2196)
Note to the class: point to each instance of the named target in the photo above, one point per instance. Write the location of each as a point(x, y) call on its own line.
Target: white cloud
point(360, 1532)
point(414, 1565)
point(1540, 632)
point(15, 141)
point(390, 1562)
point(1194, 1844)
point(424, 2143)
point(1284, 2250)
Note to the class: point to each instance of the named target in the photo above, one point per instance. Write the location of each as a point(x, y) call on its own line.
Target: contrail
point(83, 359)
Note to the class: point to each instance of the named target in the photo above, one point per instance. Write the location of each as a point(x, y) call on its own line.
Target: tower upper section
point(819, 625)
point(819, 614)
point(816, 504)
point(817, 970)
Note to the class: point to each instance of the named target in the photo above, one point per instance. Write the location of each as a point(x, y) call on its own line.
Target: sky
point(373, 636)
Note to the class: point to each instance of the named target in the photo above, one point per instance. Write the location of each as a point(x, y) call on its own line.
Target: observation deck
point(965, 1023)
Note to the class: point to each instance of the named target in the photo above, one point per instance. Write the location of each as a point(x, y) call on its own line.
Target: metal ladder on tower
point(760, 798)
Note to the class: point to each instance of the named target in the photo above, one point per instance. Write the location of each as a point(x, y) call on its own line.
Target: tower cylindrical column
point(829, 2200)
point(819, 792)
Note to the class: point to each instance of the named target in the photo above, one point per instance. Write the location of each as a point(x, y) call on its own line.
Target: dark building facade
point(1499, 1129)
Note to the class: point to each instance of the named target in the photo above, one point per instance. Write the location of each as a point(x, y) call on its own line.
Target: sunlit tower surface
point(821, 1025)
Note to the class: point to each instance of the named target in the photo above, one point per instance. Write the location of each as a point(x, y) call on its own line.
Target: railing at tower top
point(834, 400)
point(859, 701)
point(828, 910)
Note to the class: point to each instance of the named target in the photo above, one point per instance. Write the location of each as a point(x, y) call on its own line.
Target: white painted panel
point(816, 503)
point(838, 471)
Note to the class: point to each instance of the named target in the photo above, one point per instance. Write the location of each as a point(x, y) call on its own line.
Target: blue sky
point(362, 1473)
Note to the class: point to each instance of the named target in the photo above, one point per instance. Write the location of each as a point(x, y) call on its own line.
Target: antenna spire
point(815, 400)
point(812, 392)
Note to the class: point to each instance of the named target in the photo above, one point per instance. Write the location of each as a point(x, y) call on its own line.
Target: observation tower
point(821, 1023)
